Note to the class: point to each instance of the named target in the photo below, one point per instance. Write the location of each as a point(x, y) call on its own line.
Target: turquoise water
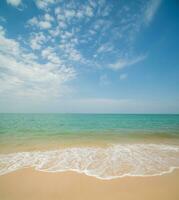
point(106, 146)
point(18, 130)
point(87, 123)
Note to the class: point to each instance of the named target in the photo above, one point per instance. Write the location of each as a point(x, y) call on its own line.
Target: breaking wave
point(103, 163)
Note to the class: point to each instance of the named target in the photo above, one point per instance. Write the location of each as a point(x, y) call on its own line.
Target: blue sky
point(114, 56)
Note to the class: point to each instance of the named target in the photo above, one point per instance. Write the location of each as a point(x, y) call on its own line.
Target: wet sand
point(29, 184)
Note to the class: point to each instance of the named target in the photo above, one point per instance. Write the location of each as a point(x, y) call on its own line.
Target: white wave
point(104, 163)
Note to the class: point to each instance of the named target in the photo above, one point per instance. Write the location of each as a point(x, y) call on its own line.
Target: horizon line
point(92, 113)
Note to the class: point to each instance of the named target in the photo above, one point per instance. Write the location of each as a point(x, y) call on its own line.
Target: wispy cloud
point(14, 2)
point(106, 47)
point(151, 10)
point(43, 23)
point(66, 37)
point(124, 62)
point(65, 21)
point(50, 55)
point(2, 30)
point(44, 4)
point(23, 75)
point(37, 40)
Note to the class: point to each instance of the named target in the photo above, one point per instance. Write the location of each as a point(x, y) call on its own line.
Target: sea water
point(106, 146)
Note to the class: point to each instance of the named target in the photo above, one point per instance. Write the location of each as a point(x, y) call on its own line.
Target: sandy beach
point(30, 184)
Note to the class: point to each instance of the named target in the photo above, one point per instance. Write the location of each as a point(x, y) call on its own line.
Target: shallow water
point(102, 145)
point(104, 163)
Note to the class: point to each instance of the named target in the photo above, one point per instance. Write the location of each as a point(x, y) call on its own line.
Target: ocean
point(106, 146)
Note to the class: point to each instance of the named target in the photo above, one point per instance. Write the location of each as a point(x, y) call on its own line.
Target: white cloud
point(74, 54)
point(2, 30)
point(8, 46)
point(37, 40)
point(80, 14)
point(89, 11)
point(106, 47)
point(44, 23)
point(14, 2)
point(69, 13)
point(43, 4)
point(151, 9)
point(71, 52)
point(23, 75)
point(48, 17)
point(55, 32)
point(123, 62)
point(57, 10)
point(33, 21)
point(50, 55)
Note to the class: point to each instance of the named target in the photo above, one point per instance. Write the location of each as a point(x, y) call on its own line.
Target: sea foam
point(103, 163)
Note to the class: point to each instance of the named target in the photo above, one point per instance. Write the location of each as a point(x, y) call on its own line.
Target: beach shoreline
point(89, 157)
point(30, 184)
